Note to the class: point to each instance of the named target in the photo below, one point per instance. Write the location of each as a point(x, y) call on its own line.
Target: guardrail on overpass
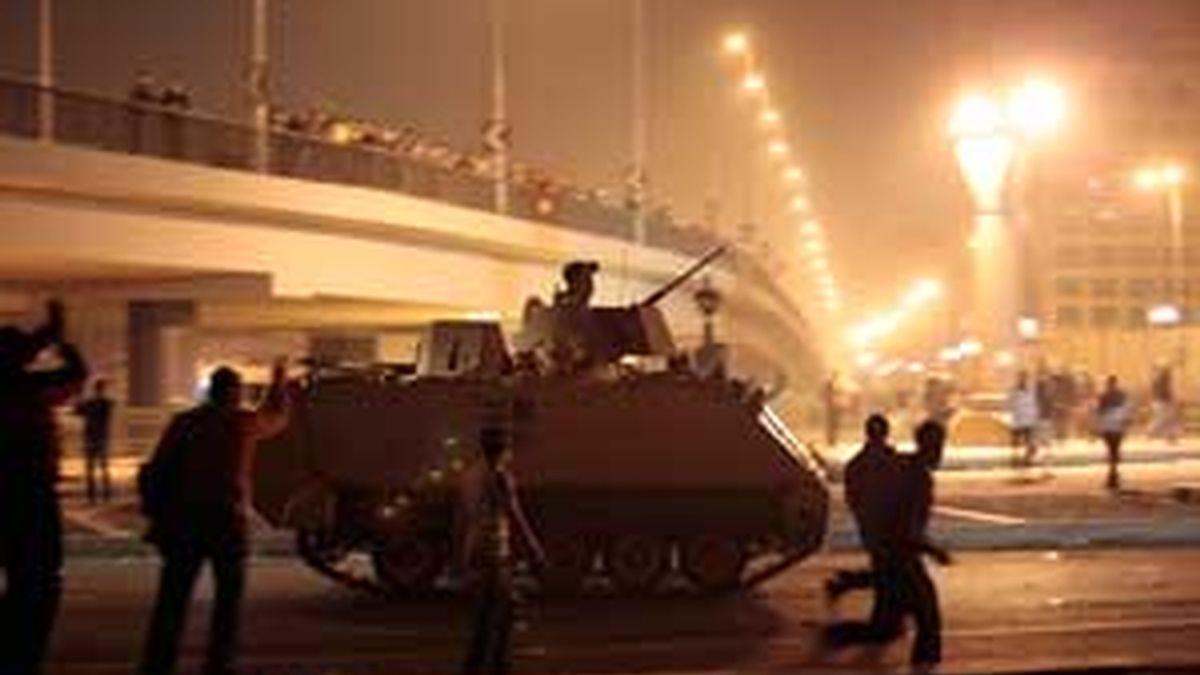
point(129, 127)
point(124, 126)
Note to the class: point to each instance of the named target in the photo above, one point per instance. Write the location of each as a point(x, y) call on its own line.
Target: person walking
point(1113, 411)
point(195, 491)
point(1024, 415)
point(1164, 409)
point(490, 508)
point(870, 478)
point(30, 515)
point(96, 412)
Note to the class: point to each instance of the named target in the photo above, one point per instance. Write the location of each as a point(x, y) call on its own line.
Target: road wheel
point(713, 562)
point(568, 562)
point(406, 564)
point(637, 562)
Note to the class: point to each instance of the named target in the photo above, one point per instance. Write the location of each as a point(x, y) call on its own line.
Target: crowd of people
point(1042, 409)
point(544, 189)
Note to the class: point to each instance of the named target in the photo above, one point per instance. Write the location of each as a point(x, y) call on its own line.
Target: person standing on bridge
point(490, 507)
point(195, 490)
point(30, 516)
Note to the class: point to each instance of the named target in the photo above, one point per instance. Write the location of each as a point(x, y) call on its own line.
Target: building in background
point(1099, 253)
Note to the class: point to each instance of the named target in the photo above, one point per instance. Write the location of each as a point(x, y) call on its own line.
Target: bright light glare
point(1173, 174)
point(793, 174)
point(976, 115)
point(777, 148)
point(754, 82)
point(950, 354)
point(769, 117)
point(866, 359)
point(1037, 108)
point(1028, 328)
point(984, 161)
point(810, 228)
point(736, 43)
point(800, 203)
point(922, 292)
point(970, 347)
point(873, 330)
point(1146, 179)
point(1164, 315)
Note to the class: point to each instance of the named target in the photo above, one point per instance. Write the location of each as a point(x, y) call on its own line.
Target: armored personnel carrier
point(636, 477)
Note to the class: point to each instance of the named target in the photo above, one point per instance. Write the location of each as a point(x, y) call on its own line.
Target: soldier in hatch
point(572, 331)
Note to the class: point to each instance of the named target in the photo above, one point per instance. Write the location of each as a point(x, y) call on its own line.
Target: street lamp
point(991, 136)
point(736, 43)
point(754, 82)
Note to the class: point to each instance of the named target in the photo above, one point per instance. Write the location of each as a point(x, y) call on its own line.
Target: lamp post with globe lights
point(993, 137)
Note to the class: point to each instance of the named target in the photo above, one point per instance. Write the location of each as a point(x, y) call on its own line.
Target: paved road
point(1005, 612)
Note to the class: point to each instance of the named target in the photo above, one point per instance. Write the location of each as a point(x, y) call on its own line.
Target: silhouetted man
point(96, 412)
point(30, 518)
point(573, 324)
point(490, 509)
point(871, 477)
point(196, 490)
point(891, 497)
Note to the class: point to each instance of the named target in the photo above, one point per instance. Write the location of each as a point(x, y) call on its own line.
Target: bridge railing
point(130, 127)
point(125, 126)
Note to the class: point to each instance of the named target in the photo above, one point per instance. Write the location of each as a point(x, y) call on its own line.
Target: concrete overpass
point(169, 266)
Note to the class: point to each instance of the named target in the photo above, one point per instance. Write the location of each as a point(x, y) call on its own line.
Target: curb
point(1067, 535)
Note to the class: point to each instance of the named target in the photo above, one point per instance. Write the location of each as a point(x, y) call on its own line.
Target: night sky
point(864, 86)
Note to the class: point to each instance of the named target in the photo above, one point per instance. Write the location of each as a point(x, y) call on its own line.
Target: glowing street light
point(1028, 328)
point(754, 82)
point(793, 174)
point(1158, 177)
point(777, 148)
point(970, 347)
point(736, 43)
point(922, 292)
point(1037, 108)
point(989, 134)
point(769, 117)
point(800, 204)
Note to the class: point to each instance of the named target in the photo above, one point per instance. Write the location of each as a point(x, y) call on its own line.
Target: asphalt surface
point(993, 508)
point(1005, 612)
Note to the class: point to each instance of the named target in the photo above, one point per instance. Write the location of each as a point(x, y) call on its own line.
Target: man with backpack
point(195, 492)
